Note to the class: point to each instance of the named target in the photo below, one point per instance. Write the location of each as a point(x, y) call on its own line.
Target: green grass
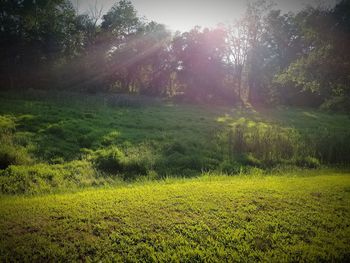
point(133, 137)
point(296, 217)
point(96, 178)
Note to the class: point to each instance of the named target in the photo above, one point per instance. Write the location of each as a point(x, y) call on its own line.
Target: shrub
point(152, 175)
point(263, 145)
point(180, 164)
point(129, 164)
point(138, 161)
point(308, 162)
point(249, 160)
point(89, 115)
point(45, 178)
point(7, 124)
point(266, 146)
point(110, 138)
point(13, 155)
point(134, 168)
point(338, 103)
point(109, 160)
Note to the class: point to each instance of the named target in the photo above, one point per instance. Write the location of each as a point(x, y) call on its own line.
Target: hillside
point(123, 178)
point(65, 141)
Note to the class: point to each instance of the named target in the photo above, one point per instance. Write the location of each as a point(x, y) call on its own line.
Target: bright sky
point(183, 15)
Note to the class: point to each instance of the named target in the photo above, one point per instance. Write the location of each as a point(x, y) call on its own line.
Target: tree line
point(265, 57)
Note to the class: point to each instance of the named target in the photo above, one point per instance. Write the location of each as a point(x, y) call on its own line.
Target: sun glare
point(183, 15)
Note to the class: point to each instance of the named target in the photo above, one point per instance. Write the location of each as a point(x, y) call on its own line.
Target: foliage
point(44, 178)
point(131, 164)
point(13, 155)
point(321, 73)
point(109, 161)
point(121, 20)
point(200, 68)
point(264, 57)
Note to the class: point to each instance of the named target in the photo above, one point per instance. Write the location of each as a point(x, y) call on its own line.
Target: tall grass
point(11, 152)
point(268, 145)
point(45, 178)
point(130, 163)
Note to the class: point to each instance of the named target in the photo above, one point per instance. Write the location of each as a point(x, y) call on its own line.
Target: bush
point(308, 162)
point(13, 155)
point(10, 152)
point(7, 124)
point(265, 142)
point(338, 104)
point(262, 145)
point(249, 160)
point(109, 160)
point(129, 164)
point(270, 145)
point(110, 138)
point(45, 178)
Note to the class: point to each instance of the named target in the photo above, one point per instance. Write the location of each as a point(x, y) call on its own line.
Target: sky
point(183, 15)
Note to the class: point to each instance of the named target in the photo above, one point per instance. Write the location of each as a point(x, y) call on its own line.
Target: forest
point(266, 57)
point(123, 140)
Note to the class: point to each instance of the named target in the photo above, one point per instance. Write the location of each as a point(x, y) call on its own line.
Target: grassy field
point(298, 217)
point(122, 178)
point(64, 141)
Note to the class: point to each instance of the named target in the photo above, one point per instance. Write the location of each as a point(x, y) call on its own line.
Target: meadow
point(63, 141)
point(124, 179)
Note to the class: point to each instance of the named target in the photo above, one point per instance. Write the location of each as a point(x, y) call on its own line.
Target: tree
point(121, 20)
point(321, 74)
point(237, 52)
point(280, 44)
point(200, 63)
point(140, 65)
point(243, 40)
point(34, 36)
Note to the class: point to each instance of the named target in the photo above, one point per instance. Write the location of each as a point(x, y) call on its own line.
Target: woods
point(265, 57)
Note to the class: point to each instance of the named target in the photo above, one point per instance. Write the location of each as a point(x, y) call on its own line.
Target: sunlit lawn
point(302, 216)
